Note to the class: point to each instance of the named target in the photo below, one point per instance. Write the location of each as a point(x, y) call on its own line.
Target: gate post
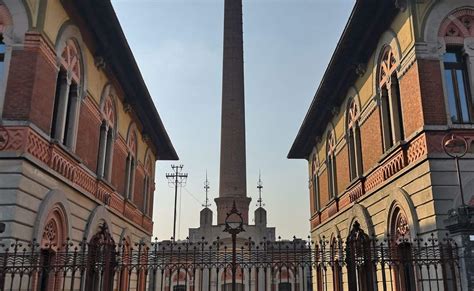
point(234, 225)
point(461, 227)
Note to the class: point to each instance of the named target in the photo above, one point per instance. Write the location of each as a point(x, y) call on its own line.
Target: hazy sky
point(287, 44)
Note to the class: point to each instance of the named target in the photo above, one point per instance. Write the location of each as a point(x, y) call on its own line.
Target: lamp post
point(456, 147)
point(234, 225)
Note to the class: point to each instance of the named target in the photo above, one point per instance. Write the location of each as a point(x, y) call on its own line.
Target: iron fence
point(355, 263)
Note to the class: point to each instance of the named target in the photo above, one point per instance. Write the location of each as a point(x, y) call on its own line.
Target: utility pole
point(177, 179)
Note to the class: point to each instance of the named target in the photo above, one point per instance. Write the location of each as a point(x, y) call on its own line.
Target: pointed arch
point(399, 199)
point(132, 160)
point(354, 139)
point(70, 49)
point(54, 207)
point(97, 218)
point(15, 30)
point(108, 106)
point(331, 145)
point(132, 138)
point(70, 85)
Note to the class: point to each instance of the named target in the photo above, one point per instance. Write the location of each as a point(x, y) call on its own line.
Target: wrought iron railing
point(357, 263)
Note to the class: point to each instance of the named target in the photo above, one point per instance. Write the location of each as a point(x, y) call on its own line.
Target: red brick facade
point(87, 146)
point(371, 137)
point(410, 96)
point(30, 94)
point(31, 83)
point(431, 84)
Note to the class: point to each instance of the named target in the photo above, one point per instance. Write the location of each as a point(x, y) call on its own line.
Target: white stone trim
point(97, 217)
point(53, 198)
point(360, 213)
point(400, 198)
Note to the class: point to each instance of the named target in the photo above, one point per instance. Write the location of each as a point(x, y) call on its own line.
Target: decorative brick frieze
point(417, 149)
point(24, 139)
point(12, 139)
point(355, 191)
point(394, 164)
point(400, 157)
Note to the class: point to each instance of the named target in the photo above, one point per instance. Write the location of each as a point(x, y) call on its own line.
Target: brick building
point(79, 133)
point(400, 79)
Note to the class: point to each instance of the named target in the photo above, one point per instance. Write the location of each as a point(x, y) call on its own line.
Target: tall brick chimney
point(233, 179)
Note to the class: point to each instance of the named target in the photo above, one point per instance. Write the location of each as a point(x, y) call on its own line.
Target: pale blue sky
point(178, 46)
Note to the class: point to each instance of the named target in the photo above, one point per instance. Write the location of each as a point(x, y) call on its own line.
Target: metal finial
point(260, 187)
point(206, 188)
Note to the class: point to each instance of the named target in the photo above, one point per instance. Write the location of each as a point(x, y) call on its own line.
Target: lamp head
point(455, 146)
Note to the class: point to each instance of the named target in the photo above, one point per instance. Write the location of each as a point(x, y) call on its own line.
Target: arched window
point(315, 184)
point(52, 241)
point(101, 252)
point(331, 164)
point(391, 107)
point(360, 268)
point(454, 30)
point(131, 163)
point(107, 137)
point(147, 187)
point(336, 263)
point(67, 99)
point(353, 140)
point(403, 271)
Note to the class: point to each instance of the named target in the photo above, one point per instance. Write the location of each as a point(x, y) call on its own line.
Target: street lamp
point(234, 225)
point(456, 147)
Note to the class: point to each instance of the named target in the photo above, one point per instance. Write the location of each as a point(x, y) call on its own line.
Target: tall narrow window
point(403, 271)
point(331, 164)
point(360, 269)
point(67, 99)
point(315, 184)
point(147, 191)
point(107, 137)
point(2, 57)
point(391, 107)
point(131, 164)
point(457, 86)
point(336, 266)
point(353, 141)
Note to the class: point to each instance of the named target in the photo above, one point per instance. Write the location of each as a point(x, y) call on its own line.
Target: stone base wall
point(31, 193)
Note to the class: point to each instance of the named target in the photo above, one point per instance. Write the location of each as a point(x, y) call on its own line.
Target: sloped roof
point(368, 21)
point(106, 35)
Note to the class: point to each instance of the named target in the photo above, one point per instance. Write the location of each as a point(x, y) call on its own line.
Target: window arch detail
point(456, 33)
point(107, 134)
point(315, 183)
point(390, 103)
point(354, 140)
point(456, 27)
point(331, 164)
point(148, 187)
point(131, 162)
point(69, 89)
